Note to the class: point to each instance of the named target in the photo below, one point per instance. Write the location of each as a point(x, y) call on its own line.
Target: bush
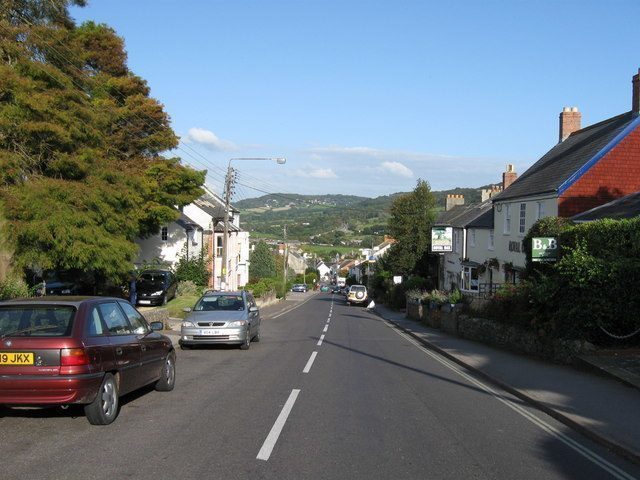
point(193, 270)
point(188, 288)
point(262, 287)
point(13, 287)
point(455, 297)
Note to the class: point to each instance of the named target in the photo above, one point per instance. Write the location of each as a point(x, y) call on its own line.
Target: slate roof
point(186, 223)
point(461, 216)
point(213, 205)
point(566, 159)
point(625, 207)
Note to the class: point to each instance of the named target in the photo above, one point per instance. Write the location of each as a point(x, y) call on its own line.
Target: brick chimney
point(570, 120)
point(508, 177)
point(453, 200)
point(635, 103)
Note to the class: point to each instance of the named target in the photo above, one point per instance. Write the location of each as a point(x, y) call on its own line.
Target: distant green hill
point(340, 220)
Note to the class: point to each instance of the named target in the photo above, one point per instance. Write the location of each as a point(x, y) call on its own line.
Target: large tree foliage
point(412, 216)
point(81, 171)
point(262, 262)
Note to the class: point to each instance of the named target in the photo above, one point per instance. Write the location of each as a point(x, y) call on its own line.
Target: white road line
point(550, 429)
point(272, 438)
point(321, 339)
point(307, 367)
point(326, 327)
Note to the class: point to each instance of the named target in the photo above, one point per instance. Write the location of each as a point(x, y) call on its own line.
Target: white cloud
point(397, 168)
point(315, 173)
point(209, 140)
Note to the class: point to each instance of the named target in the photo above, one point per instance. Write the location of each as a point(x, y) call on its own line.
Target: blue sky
point(365, 97)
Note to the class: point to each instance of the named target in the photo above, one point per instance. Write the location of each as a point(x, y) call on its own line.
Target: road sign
point(544, 249)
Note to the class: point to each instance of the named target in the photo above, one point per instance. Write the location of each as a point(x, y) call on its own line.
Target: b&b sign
point(544, 249)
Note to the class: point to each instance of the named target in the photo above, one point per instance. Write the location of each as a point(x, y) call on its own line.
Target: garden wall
point(451, 320)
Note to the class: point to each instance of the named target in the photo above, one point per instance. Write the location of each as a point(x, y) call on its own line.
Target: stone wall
point(157, 315)
point(450, 319)
point(267, 299)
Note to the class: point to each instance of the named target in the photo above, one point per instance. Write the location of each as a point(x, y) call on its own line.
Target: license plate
point(16, 358)
point(209, 332)
point(144, 302)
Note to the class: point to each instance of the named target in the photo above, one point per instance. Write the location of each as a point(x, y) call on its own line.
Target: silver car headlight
point(188, 324)
point(156, 294)
point(237, 323)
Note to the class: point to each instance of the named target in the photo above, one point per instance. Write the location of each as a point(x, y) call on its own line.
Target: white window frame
point(472, 237)
point(522, 227)
point(490, 244)
point(469, 284)
point(540, 210)
point(507, 219)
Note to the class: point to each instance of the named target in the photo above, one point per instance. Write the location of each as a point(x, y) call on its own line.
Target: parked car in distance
point(65, 282)
point(299, 287)
point(80, 350)
point(357, 295)
point(336, 289)
point(222, 318)
point(155, 287)
point(324, 288)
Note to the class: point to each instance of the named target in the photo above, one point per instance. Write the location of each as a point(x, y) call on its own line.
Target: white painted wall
point(154, 249)
point(504, 236)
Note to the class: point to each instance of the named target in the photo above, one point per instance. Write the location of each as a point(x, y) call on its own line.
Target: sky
point(366, 97)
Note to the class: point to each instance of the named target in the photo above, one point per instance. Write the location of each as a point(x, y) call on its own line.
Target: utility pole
point(284, 262)
point(228, 192)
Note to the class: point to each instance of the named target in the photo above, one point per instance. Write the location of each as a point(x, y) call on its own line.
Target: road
point(330, 392)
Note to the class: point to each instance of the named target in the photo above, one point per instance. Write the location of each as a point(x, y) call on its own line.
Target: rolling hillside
point(327, 219)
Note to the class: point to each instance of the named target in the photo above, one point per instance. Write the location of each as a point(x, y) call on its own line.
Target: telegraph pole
point(284, 262)
point(228, 191)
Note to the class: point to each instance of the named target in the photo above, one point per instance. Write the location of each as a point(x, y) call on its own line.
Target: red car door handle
point(143, 347)
point(118, 351)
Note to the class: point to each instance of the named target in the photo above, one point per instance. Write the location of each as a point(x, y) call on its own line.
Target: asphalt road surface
point(330, 392)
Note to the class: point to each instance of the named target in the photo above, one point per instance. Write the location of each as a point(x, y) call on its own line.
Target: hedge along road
point(369, 404)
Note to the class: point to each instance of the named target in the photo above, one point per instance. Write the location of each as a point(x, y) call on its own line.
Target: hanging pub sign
point(441, 239)
point(544, 249)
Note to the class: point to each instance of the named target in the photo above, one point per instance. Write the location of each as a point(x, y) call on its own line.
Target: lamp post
point(228, 191)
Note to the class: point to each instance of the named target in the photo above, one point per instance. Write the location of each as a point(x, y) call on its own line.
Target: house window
point(523, 218)
point(219, 246)
point(164, 234)
point(470, 279)
point(490, 246)
point(540, 210)
point(472, 237)
point(507, 218)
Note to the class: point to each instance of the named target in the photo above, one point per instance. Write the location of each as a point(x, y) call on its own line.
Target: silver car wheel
point(247, 340)
point(109, 399)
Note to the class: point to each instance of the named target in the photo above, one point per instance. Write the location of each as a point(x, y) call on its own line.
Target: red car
point(80, 350)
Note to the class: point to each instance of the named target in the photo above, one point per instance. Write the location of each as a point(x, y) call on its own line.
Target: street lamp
point(228, 187)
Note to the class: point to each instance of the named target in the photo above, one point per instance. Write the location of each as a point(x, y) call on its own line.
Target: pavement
point(599, 398)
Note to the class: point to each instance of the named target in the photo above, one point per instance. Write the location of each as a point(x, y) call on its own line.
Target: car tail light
point(72, 357)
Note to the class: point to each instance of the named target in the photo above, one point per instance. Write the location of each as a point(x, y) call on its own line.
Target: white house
point(182, 238)
point(209, 210)
point(199, 229)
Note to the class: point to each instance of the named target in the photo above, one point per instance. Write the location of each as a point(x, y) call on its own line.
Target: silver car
point(222, 317)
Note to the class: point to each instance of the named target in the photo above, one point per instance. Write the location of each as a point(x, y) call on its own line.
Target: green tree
point(263, 263)
point(412, 216)
point(81, 170)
